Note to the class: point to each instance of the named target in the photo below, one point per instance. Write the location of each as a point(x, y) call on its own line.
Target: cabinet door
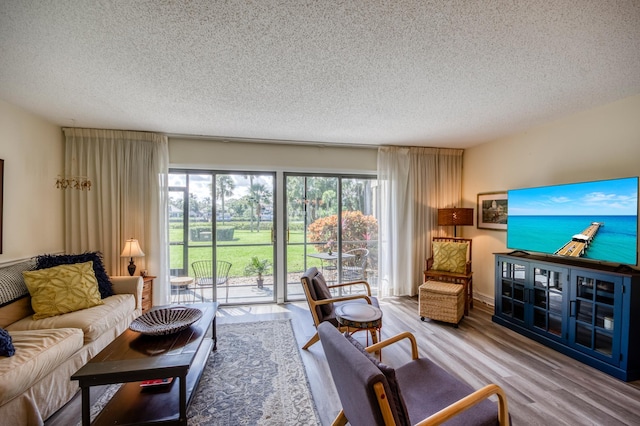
point(511, 279)
point(547, 300)
point(595, 317)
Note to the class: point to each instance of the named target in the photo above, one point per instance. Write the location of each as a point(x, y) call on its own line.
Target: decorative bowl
point(164, 321)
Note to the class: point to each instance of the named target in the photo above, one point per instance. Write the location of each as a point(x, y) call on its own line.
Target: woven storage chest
point(441, 301)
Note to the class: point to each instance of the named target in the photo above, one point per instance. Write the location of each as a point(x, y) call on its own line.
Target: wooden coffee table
point(132, 358)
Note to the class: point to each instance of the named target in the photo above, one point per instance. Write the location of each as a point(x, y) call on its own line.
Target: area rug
point(256, 377)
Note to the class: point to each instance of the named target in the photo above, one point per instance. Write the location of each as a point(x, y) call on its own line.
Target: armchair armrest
point(468, 402)
point(342, 299)
point(129, 285)
point(391, 340)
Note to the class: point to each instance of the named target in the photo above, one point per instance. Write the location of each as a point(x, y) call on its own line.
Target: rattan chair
point(463, 277)
point(354, 267)
point(203, 276)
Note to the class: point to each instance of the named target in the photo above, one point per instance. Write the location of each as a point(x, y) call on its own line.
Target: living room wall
point(32, 150)
point(601, 143)
point(239, 156)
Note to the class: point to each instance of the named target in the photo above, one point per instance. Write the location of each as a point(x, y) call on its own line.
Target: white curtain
point(414, 184)
point(128, 199)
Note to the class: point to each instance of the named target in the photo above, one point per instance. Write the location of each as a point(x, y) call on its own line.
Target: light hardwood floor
point(543, 386)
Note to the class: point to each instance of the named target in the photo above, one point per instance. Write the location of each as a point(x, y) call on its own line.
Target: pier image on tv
point(590, 220)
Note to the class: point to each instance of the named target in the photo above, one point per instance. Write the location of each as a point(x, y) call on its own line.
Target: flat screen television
point(588, 220)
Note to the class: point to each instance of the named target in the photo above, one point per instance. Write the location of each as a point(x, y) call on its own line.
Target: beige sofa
point(35, 382)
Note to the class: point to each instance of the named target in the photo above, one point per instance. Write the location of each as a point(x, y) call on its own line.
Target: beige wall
point(32, 150)
point(601, 143)
point(212, 154)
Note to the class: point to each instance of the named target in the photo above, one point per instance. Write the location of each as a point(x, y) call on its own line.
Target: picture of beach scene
point(590, 220)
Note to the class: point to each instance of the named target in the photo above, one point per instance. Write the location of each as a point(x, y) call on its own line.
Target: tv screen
point(589, 220)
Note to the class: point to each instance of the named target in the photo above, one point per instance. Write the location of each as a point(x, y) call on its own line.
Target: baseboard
point(484, 299)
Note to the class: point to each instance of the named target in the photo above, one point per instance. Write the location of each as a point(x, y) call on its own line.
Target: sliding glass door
point(225, 246)
point(331, 225)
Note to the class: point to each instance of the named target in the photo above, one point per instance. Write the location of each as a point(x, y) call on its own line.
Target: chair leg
point(314, 339)
point(341, 420)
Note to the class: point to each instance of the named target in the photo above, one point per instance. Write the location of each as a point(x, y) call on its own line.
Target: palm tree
point(259, 195)
point(224, 188)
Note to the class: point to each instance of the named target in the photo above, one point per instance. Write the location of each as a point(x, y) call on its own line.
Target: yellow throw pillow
point(450, 257)
point(62, 289)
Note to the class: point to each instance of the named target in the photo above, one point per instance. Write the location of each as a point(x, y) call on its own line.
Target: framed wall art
point(492, 211)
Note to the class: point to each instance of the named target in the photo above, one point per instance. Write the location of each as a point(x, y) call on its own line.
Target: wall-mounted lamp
point(132, 249)
point(455, 217)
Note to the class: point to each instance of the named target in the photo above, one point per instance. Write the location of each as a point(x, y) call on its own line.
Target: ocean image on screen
point(591, 220)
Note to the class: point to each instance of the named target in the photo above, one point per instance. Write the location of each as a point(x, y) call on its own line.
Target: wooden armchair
point(449, 270)
point(417, 393)
point(321, 301)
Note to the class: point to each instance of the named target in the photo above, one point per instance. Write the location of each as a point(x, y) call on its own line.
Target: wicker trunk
point(441, 301)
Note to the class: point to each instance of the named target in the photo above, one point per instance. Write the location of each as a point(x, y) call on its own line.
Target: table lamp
point(132, 249)
point(455, 217)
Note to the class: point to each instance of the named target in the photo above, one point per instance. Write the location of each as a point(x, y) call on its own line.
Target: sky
point(201, 184)
point(616, 197)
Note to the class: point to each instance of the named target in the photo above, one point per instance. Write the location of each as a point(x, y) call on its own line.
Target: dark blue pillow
point(6, 344)
point(104, 283)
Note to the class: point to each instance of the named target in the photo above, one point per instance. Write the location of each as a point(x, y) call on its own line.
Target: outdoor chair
point(322, 302)
point(354, 266)
point(418, 392)
point(203, 276)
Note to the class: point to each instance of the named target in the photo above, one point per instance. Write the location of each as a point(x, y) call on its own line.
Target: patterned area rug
point(256, 377)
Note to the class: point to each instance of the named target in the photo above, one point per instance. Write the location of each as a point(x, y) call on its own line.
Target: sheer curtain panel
point(414, 184)
point(128, 199)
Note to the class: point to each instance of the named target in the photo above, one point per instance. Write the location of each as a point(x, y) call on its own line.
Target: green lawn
point(245, 245)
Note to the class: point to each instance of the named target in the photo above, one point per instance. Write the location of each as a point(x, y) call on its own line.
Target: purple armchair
point(419, 392)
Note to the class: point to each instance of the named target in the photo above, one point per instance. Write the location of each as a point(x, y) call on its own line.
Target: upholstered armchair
point(322, 302)
point(418, 392)
point(450, 262)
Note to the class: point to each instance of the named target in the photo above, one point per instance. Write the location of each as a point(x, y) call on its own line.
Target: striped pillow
point(12, 286)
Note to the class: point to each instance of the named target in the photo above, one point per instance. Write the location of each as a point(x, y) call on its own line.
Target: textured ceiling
point(407, 72)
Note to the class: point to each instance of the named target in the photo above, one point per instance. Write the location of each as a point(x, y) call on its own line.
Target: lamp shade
point(132, 249)
point(455, 217)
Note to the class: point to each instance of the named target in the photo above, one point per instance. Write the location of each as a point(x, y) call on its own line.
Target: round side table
point(360, 316)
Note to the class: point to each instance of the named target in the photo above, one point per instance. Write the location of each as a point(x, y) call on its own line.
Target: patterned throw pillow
point(12, 285)
point(62, 289)
point(104, 283)
point(450, 257)
point(6, 344)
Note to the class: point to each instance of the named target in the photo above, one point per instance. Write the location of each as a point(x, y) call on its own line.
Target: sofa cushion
point(38, 353)
point(62, 289)
point(93, 321)
point(450, 257)
point(104, 283)
point(6, 344)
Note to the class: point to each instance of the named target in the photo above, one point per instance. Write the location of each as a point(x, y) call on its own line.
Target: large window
point(331, 225)
point(217, 218)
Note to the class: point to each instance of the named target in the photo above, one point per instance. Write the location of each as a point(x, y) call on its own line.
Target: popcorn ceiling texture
point(414, 72)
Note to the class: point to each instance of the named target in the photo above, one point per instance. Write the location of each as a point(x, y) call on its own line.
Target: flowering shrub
point(357, 230)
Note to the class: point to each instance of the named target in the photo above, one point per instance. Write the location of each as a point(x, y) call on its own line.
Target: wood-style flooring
point(543, 387)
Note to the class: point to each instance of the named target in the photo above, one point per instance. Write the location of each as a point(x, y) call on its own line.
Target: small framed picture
point(492, 211)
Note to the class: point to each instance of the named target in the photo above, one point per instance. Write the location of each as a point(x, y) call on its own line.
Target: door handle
point(273, 235)
point(287, 235)
point(572, 308)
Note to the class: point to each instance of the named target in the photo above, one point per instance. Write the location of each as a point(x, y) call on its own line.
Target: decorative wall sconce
point(73, 182)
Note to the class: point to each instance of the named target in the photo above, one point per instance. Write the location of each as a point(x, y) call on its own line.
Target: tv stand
point(590, 312)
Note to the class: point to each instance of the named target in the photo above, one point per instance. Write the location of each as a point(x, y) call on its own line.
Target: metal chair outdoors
point(203, 276)
point(322, 303)
point(354, 267)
